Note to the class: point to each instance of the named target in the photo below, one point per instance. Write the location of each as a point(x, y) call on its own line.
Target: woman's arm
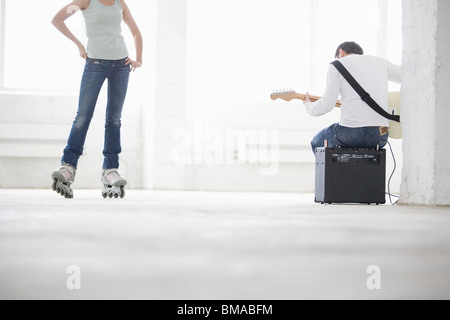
point(137, 36)
point(65, 13)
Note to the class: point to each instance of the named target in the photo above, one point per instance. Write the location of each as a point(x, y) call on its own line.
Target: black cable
point(390, 178)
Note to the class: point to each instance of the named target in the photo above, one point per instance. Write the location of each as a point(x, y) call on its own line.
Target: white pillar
point(2, 42)
point(170, 109)
point(426, 102)
point(442, 163)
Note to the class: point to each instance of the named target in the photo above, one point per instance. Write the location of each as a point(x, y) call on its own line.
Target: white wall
point(31, 137)
point(426, 104)
point(33, 133)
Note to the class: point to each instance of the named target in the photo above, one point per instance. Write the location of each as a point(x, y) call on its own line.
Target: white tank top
point(104, 31)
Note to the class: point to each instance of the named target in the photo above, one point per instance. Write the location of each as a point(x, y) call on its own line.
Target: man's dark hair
point(350, 48)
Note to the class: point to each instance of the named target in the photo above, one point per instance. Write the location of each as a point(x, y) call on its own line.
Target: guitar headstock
point(286, 95)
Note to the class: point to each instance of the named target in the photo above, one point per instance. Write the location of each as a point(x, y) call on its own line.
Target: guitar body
point(395, 128)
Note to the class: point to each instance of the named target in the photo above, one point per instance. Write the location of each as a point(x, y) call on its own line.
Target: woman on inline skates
point(106, 58)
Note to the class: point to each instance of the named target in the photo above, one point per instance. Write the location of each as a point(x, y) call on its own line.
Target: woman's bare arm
point(65, 13)
point(137, 36)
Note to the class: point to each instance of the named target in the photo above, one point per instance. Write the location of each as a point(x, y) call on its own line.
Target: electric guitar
point(395, 128)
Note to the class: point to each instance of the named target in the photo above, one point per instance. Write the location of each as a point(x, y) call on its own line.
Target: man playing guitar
point(359, 125)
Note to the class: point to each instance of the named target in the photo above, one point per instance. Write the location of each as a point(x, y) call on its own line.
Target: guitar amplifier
point(350, 176)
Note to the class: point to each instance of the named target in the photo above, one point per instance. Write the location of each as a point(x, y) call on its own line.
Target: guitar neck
point(302, 96)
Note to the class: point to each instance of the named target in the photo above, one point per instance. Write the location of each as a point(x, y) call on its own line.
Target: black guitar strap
point(365, 96)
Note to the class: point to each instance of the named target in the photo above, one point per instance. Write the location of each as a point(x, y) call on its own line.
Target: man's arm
point(394, 73)
point(328, 100)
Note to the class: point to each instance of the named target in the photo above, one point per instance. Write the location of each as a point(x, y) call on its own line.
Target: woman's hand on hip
point(83, 52)
point(134, 64)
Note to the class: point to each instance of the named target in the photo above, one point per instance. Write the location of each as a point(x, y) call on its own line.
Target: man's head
point(348, 48)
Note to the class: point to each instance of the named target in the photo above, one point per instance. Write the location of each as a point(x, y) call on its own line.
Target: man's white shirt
point(373, 74)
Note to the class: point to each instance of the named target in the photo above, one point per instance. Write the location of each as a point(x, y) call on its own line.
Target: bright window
point(241, 50)
point(238, 50)
point(38, 57)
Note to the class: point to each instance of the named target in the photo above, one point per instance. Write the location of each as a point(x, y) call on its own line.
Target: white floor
point(188, 245)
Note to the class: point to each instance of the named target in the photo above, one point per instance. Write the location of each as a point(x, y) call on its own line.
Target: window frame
point(2, 43)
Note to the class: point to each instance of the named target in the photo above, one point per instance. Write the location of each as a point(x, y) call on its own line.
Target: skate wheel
point(104, 195)
point(55, 181)
point(110, 195)
point(122, 192)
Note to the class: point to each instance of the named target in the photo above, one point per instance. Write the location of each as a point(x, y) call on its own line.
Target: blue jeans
point(96, 71)
point(339, 136)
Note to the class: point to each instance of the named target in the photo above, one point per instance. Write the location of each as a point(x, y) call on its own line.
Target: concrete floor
point(187, 245)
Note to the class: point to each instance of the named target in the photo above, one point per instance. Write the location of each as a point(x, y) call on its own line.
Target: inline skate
point(62, 180)
point(113, 184)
